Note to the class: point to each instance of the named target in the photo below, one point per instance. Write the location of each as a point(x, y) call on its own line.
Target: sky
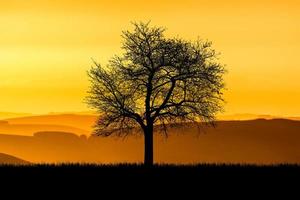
point(46, 48)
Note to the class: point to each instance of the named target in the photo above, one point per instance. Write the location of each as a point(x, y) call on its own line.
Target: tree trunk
point(148, 156)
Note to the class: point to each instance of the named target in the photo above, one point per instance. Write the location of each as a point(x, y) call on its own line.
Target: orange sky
point(46, 46)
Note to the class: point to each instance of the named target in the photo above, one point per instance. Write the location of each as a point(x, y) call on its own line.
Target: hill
point(248, 116)
point(28, 129)
point(79, 121)
point(253, 141)
point(5, 115)
point(86, 120)
point(244, 116)
point(11, 160)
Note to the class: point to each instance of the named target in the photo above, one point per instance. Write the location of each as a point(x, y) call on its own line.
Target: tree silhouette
point(157, 81)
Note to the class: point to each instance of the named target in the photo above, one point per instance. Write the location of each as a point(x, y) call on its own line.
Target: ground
point(129, 181)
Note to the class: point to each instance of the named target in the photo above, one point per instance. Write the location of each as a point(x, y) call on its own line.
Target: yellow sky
point(46, 46)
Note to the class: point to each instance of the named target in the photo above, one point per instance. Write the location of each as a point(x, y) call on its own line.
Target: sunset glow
point(46, 48)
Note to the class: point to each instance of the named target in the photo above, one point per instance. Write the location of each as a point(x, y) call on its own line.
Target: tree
point(157, 81)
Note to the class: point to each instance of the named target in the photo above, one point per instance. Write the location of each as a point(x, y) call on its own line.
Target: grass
point(198, 178)
point(161, 170)
point(138, 166)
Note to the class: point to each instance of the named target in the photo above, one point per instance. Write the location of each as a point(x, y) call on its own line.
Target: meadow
point(158, 172)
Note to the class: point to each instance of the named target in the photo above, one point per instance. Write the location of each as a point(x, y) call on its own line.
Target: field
point(129, 181)
point(123, 172)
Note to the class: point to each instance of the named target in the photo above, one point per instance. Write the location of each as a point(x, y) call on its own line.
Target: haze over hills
point(245, 116)
point(28, 129)
point(66, 118)
point(78, 121)
point(81, 123)
point(249, 116)
point(254, 141)
point(5, 115)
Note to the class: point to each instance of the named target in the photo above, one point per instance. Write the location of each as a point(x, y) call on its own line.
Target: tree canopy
point(156, 80)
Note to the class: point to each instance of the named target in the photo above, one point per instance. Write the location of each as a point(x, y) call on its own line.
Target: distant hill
point(29, 128)
point(245, 116)
point(5, 115)
point(8, 159)
point(254, 141)
point(294, 118)
point(86, 120)
point(80, 121)
point(74, 113)
point(248, 116)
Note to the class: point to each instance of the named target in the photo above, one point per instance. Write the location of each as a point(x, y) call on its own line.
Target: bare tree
point(157, 81)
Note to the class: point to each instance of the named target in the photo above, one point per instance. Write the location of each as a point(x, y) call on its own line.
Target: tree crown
point(157, 80)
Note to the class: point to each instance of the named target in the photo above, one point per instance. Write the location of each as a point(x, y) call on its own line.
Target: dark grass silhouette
point(160, 171)
point(158, 181)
